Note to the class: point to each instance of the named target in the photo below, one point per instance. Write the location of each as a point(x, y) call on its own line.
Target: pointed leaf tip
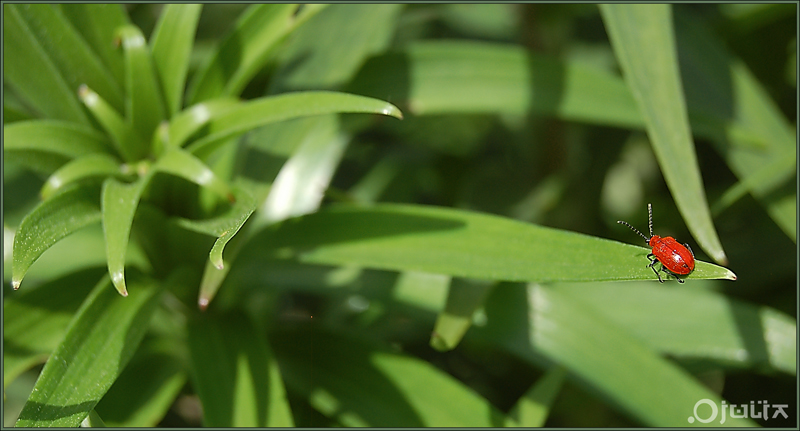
point(118, 279)
point(202, 303)
point(15, 284)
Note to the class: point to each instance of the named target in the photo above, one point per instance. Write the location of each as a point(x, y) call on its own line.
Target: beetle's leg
point(653, 261)
point(690, 249)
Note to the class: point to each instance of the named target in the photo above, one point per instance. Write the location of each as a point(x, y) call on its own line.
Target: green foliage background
point(292, 256)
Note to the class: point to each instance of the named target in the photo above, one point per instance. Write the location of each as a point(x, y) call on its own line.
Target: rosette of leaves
point(106, 111)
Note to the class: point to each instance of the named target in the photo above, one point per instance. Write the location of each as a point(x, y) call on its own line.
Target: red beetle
point(675, 259)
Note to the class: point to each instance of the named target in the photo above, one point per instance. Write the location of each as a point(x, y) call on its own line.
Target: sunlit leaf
point(49, 222)
point(533, 408)
point(171, 45)
point(236, 376)
point(88, 166)
point(33, 74)
point(97, 23)
point(34, 321)
point(119, 203)
point(122, 136)
point(99, 342)
point(644, 41)
point(243, 52)
point(458, 243)
point(259, 112)
point(181, 163)
point(144, 108)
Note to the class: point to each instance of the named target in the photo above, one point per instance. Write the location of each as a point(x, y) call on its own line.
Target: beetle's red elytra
point(675, 258)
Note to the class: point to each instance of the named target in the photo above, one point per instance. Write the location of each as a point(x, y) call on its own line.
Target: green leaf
point(225, 227)
point(458, 243)
point(179, 162)
point(33, 74)
point(119, 202)
point(66, 140)
point(189, 121)
point(259, 112)
point(232, 219)
point(327, 51)
point(171, 44)
point(735, 334)
point(97, 23)
point(99, 342)
point(538, 322)
point(297, 189)
point(93, 421)
point(84, 167)
point(235, 374)
point(145, 105)
point(463, 300)
point(644, 42)
point(426, 291)
point(357, 383)
point(34, 321)
point(147, 387)
point(740, 102)
point(122, 135)
point(243, 52)
point(430, 77)
point(49, 222)
point(533, 408)
point(69, 52)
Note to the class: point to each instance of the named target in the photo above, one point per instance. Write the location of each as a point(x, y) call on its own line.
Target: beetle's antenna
point(633, 229)
point(650, 218)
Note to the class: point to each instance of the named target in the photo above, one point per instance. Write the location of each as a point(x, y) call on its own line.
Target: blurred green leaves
point(343, 247)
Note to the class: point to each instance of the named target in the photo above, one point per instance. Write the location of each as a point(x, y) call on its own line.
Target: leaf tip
point(393, 111)
point(15, 283)
point(118, 278)
point(218, 262)
point(202, 303)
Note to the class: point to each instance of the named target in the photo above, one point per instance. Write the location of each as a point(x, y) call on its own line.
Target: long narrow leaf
point(88, 166)
point(179, 162)
point(99, 342)
point(119, 203)
point(259, 112)
point(97, 23)
point(463, 299)
point(49, 222)
point(145, 105)
point(243, 52)
point(33, 74)
point(644, 42)
point(741, 100)
point(534, 406)
point(122, 135)
point(189, 121)
point(75, 60)
point(327, 52)
point(171, 44)
point(60, 138)
point(298, 188)
point(34, 321)
point(458, 243)
point(236, 375)
point(538, 323)
point(148, 386)
point(356, 383)
point(735, 334)
point(429, 77)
